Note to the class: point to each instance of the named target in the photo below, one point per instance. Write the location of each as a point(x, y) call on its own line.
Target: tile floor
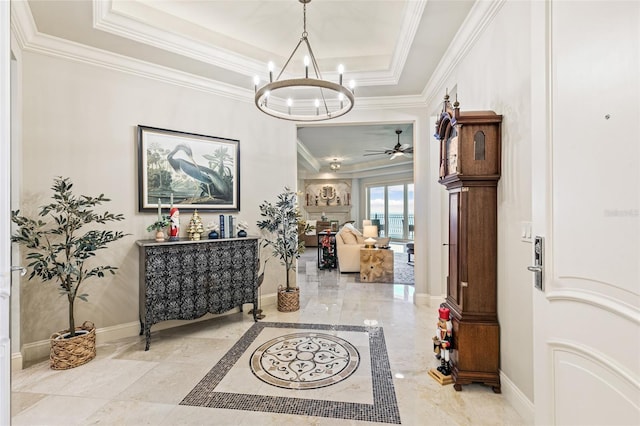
point(125, 385)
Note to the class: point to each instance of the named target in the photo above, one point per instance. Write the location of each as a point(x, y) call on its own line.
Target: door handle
point(22, 269)
point(538, 259)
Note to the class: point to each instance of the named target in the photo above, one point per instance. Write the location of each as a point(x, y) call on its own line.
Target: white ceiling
point(389, 47)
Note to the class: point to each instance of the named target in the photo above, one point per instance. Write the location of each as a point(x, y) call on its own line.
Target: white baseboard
point(39, 351)
point(270, 299)
point(425, 299)
point(517, 399)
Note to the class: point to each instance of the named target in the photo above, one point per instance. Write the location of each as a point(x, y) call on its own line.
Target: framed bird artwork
point(187, 170)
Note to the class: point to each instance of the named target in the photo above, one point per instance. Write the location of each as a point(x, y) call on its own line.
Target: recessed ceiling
point(389, 47)
point(348, 144)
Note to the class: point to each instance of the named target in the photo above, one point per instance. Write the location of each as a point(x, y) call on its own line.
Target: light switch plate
point(525, 232)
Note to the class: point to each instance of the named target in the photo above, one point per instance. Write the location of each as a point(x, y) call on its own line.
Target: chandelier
point(334, 165)
point(318, 99)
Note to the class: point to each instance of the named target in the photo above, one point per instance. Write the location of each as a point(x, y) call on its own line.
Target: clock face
point(452, 153)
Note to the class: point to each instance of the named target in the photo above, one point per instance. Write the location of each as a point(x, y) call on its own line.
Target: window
point(391, 208)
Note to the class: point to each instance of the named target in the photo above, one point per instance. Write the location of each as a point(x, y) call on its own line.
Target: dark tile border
point(384, 408)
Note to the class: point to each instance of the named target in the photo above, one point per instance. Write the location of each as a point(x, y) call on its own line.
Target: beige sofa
point(349, 241)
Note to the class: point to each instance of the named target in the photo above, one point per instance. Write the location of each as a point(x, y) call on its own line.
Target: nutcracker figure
point(443, 340)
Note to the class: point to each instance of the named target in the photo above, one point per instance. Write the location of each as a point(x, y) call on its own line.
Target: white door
point(586, 204)
point(5, 246)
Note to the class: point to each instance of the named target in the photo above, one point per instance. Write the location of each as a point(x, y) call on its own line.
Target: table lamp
point(370, 232)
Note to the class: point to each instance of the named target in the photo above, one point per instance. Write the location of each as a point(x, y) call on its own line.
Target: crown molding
point(30, 39)
point(480, 15)
point(410, 25)
point(33, 41)
point(311, 163)
point(22, 24)
point(107, 19)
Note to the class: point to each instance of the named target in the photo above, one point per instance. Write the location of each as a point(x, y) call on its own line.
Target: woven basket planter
point(72, 352)
point(288, 301)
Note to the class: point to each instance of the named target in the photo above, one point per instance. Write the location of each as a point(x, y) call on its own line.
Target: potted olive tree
point(57, 249)
point(280, 230)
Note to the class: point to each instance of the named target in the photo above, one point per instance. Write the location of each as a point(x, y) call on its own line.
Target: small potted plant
point(57, 251)
point(280, 228)
point(159, 226)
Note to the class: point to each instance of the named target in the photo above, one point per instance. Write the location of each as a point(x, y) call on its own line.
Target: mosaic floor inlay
point(304, 361)
point(228, 386)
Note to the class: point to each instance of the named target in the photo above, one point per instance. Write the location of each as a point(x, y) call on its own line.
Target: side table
point(327, 258)
point(376, 265)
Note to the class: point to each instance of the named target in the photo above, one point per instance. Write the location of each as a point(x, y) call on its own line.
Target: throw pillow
point(348, 237)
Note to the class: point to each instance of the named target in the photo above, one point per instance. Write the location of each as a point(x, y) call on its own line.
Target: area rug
point(257, 374)
point(402, 271)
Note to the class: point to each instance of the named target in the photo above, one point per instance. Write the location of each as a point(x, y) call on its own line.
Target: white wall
point(80, 121)
point(495, 75)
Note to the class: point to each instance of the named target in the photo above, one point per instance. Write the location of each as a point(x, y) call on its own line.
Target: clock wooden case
point(470, 169)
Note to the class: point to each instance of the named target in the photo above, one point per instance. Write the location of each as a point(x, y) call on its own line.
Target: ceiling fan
point(397, 151)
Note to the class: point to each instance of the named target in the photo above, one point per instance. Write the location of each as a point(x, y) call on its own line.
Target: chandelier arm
point(316, 68)
point(289, 60)
point(324, 101)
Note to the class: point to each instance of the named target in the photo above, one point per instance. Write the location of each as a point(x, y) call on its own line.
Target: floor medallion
point(304, 361)
point(303, 356)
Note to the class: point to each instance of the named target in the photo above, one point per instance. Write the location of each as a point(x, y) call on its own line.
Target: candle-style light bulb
point(341, 98)
point(289, 103)
point(256, 81)
point(317, 107)
point(266, 97)
point(306, 66)
point(340, 72)
point(352, 86)
point(270, 67)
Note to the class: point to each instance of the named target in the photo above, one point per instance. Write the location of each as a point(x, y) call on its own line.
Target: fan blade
point(396, 154)
point(408, 150)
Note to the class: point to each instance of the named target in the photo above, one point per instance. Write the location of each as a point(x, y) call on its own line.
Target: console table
point(186, 279)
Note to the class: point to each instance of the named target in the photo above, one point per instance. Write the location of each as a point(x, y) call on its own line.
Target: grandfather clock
point(470, 170)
